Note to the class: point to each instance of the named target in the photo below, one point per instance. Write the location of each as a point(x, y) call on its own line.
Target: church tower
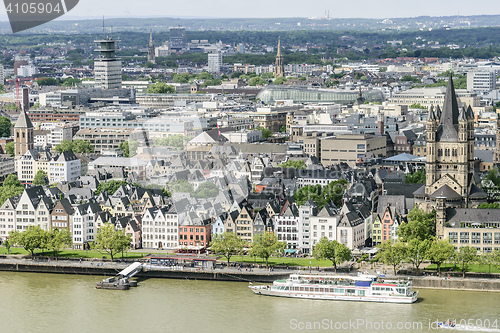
point(449, 167)
point(279, 67)
point(151, 50)
point(23, 135)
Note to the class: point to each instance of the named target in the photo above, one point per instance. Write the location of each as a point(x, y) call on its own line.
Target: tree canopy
point(10, 148)
point(227, 245)
point(332, 250)
point(333, 192)
point(266, 245)
point(5, 127)
point(111, 241)
point(206, 190)
point(110, 187)
point(11, 187)
point(161, 88)
point(176, 140)
point(392, 253)
point(76, 146)
point(440, 252)
point(299, 164)
point(418, 177)
point(420, 225)
point(31, 239)
point(40, 178)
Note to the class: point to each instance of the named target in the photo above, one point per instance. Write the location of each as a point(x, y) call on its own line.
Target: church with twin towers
point(451, 181)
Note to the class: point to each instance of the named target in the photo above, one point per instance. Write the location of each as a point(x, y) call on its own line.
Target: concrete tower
point(23, 135)
point(151, 50)
point(107, 67)
point(279, 68)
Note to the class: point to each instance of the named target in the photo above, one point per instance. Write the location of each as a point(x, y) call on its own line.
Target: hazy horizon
point(220, 9)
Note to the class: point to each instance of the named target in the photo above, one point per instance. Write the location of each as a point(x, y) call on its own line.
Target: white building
point(481, 81)
point(65, 168)
point(84, 228)
point(324, 224)
point(243, 136)
point(27, 71)
point(214, 62)
point(160, 228)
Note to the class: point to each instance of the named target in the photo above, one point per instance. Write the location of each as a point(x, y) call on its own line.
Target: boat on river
point(113, 284)
point(361, 288)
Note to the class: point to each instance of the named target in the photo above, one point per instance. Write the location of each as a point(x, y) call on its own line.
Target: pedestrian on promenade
point(48, 260)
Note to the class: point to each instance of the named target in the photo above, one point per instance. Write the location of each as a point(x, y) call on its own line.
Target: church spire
point(449, 118)
point(279, 69)
point(151, 49)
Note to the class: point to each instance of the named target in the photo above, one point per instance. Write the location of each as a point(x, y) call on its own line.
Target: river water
point(42, 303)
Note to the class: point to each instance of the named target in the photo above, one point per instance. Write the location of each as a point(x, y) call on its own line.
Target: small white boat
point(362, 288)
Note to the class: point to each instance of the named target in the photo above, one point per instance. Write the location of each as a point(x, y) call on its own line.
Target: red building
point(195, 235)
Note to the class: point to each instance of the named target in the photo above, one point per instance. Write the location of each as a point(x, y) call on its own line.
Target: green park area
point(475, 268)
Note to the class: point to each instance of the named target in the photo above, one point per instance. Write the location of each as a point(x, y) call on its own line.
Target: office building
point(107, 67)
point(178, 40)
point(214, 62)
point(481, 81)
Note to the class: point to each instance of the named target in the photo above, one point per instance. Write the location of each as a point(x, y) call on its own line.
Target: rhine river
point(52, 303)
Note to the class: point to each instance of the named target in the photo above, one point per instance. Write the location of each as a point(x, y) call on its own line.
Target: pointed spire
point(151, 38)
point(23, 121)
point(449, 118)
point(279, 46)
point(431, 116)
point(462, 115)
point(470, 113)
point(438, 112)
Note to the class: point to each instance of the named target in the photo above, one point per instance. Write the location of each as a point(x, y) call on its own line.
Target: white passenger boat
point(363, 288)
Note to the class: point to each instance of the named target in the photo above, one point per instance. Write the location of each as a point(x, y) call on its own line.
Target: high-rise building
point(107, 67)
point(214, 62)
point(151, 50)
point(178, 40)
point(481, 81)
point(449, 167)
point(279, 68)
point(23, 135)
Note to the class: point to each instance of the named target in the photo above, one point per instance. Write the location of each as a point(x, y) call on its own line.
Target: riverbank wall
point(112, 269)
point(471, 284)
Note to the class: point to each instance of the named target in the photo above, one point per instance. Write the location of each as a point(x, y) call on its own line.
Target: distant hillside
point(266, 24)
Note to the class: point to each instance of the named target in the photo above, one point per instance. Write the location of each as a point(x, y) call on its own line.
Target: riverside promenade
point(101, 268)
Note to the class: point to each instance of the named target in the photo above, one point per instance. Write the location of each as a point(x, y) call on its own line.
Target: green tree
point(110, 187)
point(40, 178)
point(256, 81)
point(392, 253)
point(6, 244)
point(124, 146)
point(332, 250)
point(82, 146)
point(265, 245)
point(71, 82)
point(31, 239)
point(227, 245)
point(10, 149)
point(417, 250)
point(418, 177)
point(58, 239)
point(420, 225)
point(176, 141)
point(65, 145)
point(417, 106)
point(5, 127)
point(333, 192)
point(181, 186)
point(161, 88)
point(265, 132)
point(486, 205)
point(299, 164)
point(440, 252)
point(47, 81)
point(464, 257)
point(111, 241)
point(280, 80)
point(206, 190)
point(283, 129)
point(12, 180)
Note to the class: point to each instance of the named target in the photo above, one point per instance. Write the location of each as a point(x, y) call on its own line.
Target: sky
point(281, 8)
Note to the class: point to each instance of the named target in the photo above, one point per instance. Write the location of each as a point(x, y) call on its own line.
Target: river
point(53, 303)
